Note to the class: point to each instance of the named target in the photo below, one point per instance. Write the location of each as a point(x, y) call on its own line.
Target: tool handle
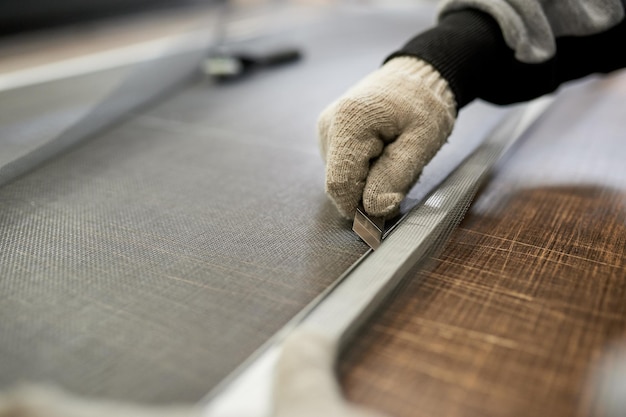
point(280, 57)
point(284, 56)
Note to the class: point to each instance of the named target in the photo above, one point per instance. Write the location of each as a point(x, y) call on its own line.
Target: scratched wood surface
point(511, 317)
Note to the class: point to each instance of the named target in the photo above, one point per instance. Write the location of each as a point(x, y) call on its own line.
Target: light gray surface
point(41, 121)
point(149, 262)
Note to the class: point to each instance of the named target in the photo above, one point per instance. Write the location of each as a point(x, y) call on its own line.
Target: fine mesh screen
point(149, 262)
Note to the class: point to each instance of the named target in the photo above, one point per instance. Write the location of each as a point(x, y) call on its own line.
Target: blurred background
point(62, 59)
point(71, 27)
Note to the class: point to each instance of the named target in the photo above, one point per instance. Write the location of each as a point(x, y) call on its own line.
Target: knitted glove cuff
point(431, 78)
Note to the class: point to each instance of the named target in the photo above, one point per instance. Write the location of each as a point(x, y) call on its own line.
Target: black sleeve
point(468, 49)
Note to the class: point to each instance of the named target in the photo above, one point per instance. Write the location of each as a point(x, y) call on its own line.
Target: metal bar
point(344, 309)
point(420, 231)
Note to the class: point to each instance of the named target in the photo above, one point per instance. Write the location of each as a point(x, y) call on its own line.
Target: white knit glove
point(377, 138)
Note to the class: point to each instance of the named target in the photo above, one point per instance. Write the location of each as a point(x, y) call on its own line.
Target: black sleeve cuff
point(469, 51)
point(465, 47)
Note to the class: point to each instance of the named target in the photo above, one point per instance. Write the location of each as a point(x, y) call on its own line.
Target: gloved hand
point(377, 138)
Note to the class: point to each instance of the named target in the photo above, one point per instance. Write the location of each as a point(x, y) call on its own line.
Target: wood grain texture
point(512, 317)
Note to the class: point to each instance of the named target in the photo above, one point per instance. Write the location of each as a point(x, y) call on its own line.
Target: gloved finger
point(323, 127)
point(398, 168)
point(347, 167)
point(354, 143)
